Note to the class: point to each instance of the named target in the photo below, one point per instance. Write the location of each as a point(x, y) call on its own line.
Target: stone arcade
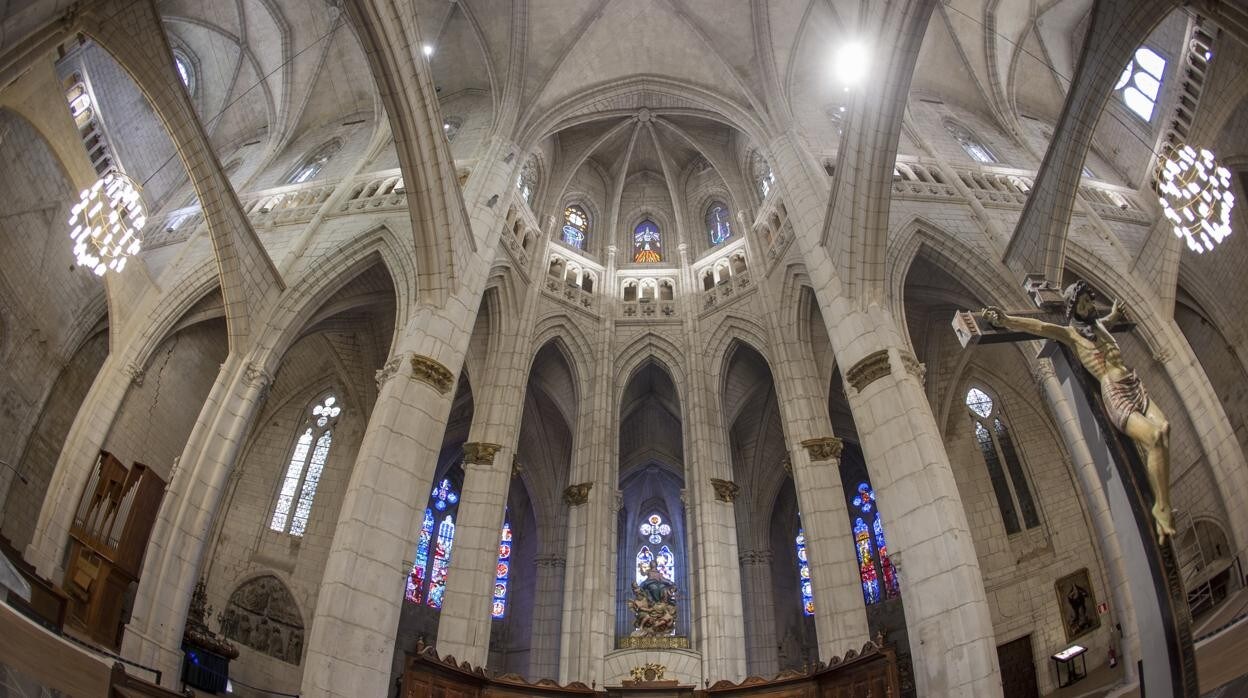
point(604, 340)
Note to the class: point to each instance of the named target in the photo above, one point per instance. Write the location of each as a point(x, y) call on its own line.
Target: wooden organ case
point(106, 545)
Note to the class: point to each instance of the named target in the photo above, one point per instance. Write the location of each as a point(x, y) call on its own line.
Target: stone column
point(760, 613)
point(947, 614)
point(547, 594)
point(192, 500)
point(351, 643)
point(1093, 495)
point(464, 628)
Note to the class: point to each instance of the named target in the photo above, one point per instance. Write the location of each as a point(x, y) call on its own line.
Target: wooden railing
point(871, 672)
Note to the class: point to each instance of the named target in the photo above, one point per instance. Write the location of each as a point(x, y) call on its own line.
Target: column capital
point(725, 490)
point(429, 370)
point(873, 366)
point(480, 452)
point(578, 494)
point(136, 373)
point(755, 557)
point(389, 370)
point(823, 448)
point(913, 366)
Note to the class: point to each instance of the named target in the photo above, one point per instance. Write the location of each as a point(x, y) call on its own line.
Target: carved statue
point(1126, 401)
point(653, 603)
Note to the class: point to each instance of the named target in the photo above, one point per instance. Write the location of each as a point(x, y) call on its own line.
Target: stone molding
point(257, 377)
point(428, 370)
point(137, 373)
point(913, 366)
point(388, 371)
point(1042, 370)
point(872, 367)
point(554, 561)
point(517, 469)
point(823, 448)
point(480, 452)
point(725, 490)
point(756, 557)
point(578, 494)
point(787, 463)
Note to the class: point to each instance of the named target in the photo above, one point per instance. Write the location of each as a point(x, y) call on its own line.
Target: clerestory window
point(303, 471)
point(1139, 86)
point(1005, 470)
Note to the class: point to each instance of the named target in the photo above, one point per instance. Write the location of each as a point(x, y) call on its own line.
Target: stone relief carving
point(262, 615)
point(385, 373)
point(755, 557)
point(480, 452)
point(823, 448)
point(913, 366)
point(429, 371)
point(872, 367)
point(136, 373)
point(577, 494)
point(725, 490)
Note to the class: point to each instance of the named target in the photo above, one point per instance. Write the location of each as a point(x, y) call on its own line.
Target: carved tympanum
point(262, 615)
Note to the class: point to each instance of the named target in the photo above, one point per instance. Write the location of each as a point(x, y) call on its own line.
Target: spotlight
point(427, 49)
point(851, 63)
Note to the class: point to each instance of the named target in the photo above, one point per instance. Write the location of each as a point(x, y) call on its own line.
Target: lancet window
point(647, 242)
point(655, 552)
point(502, 573)
point(803, 575)
point(303, 470)
point(764, 179)
point(970, 143)
point(875, 569)
point(1139, 86)
point(1005, 470)
point(718, 226)
point(526, 182)
point(427, 581)
point(314, 163)
point(575, 226)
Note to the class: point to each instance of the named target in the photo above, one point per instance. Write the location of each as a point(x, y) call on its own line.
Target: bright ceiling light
point(428, 49)
point(1195, 196)
point(106, 222)
point(851, 63)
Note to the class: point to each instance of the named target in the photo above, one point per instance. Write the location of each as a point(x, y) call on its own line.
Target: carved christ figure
point(1125, 399)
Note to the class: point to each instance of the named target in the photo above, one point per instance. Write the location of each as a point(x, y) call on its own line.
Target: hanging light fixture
point(105, 223)
point(1195, 196)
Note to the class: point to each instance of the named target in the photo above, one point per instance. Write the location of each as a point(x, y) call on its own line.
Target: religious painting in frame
point(1076, 601)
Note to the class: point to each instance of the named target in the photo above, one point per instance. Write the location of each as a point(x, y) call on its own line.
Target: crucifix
point(1129, 437)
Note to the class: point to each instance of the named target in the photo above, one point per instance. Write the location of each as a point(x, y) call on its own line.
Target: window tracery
point(1139, 86)
point(427, 580)
point(654, 530)
point(450, 128)
point(718, 224)
point(971, 144)
point(1005, 470)
point(575, 226)
point(303, 472)
point(760, 170)
point(314, 163)
point(527, 180)
point(186, 71)
point(647, 242)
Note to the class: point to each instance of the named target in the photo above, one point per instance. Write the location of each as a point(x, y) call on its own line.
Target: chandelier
point(1195, 196)
point(105, 223)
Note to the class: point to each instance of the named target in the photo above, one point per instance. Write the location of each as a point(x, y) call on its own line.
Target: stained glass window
point(647, 242)
point(1005, 469)
point(416, 580)
point(502, 574)
point(717, 223)
point(762, 174)
point(303, 471)
point(973, 147)
point(655, 530)
point(526, 182)
point(185, 72)
point(866, 562)
point(875, 569)
point(575, 226)
point(427, 580)
point(1139, 86)
point(803, 575)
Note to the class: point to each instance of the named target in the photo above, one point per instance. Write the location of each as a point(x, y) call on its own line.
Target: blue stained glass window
point(443, 495)
point(865, 501)
point(502, 574)
point(866, 562)
point(647, 242)
point(575, 226)
point(665, 561)
point(644, 559)
point(803, 575)
point(441, 561)
point(416, 580)
point(717, 223)
point(891, 586)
